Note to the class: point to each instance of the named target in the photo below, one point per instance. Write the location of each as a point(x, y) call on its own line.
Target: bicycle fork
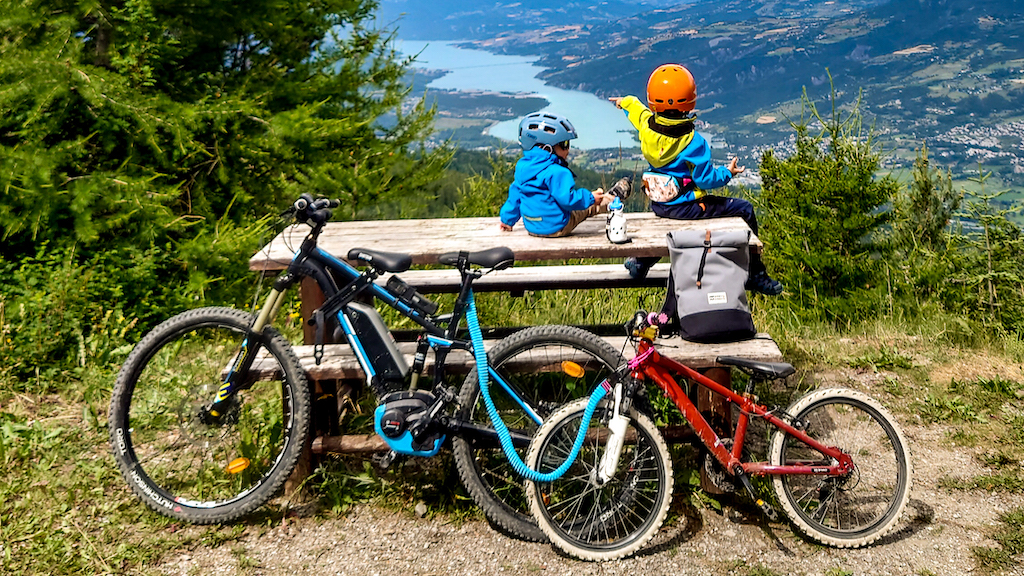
point(245, 357)
point(613, 450)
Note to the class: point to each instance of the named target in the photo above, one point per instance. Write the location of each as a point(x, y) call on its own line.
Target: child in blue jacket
point(544, 191)
point(681, 170)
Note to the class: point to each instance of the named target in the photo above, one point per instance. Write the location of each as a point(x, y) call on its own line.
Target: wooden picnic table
point(426, 239)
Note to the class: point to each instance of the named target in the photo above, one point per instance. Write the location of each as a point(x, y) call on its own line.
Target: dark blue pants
point(705, 207)
point(711, 207)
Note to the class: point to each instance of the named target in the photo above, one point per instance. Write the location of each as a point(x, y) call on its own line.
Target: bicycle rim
point(603, 522)
point(179, 460)
point(856, 509)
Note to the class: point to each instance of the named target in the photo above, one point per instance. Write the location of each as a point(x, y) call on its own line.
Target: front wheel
point(593, 521)
point(180, 460)
point(853, 510)
point(533, 362)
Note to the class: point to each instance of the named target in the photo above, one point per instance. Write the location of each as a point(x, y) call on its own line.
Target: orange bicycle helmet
point(671, 87)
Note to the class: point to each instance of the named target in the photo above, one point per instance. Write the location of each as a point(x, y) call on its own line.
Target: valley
point(949, 73)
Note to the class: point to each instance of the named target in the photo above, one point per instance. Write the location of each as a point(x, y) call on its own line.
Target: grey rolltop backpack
point(709, 270)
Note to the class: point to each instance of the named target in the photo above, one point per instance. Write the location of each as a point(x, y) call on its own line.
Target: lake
point(598, 122)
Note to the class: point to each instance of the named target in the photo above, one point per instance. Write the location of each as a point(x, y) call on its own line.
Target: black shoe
point(637, 268)
point(763, 284)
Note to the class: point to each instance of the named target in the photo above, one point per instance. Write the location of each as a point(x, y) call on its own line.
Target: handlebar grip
point(318, 211)
point(303, 202)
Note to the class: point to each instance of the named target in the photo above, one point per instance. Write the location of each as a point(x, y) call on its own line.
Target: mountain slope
point(472, 19)
point(756, 62)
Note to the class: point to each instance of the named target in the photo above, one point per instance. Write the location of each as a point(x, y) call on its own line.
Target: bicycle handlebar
point(314, 211)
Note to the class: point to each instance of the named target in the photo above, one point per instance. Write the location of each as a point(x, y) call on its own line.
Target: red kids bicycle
point(838, 461)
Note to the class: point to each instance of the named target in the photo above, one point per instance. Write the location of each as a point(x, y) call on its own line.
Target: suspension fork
point(254, 339)
point(622, 399)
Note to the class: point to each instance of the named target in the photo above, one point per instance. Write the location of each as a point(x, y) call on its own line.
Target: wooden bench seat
point(338, 362)
point(521, 278)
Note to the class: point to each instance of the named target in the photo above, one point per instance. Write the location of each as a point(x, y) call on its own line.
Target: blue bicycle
point(211, 409)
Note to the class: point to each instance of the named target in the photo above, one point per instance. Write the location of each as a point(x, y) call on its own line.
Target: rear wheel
point(533, 362)
point(853, 510)
point(592, 521)
point(177, 457)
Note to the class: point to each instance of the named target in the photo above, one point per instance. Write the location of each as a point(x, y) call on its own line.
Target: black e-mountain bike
point(202, 433)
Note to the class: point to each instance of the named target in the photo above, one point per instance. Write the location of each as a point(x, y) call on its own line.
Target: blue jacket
point(686, 157)
point(543, 193)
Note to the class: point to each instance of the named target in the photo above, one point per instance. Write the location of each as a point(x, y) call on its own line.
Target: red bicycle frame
point(649, 363)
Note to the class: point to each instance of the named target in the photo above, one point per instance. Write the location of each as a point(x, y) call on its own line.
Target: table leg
point(323, 416)
point(720, 412)
point(311, 297)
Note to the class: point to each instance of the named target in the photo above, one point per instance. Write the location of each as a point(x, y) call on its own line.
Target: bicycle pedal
point(385, 460)
point(768, 510)
point(765, 507)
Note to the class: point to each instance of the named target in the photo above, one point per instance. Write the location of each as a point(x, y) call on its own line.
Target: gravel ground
point(935, 537)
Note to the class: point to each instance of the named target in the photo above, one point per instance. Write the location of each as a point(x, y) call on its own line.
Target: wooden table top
point(426, 239)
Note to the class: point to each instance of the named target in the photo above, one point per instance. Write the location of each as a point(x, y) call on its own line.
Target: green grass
point(64, 508)
point(1010, 537)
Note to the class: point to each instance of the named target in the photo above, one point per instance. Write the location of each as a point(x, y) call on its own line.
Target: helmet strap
point(545, 147)
point(676, 114)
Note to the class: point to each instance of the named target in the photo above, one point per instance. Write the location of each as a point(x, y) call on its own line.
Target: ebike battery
point(378, 344)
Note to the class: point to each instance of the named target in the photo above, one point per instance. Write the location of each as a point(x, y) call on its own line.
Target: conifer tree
point(147, 120)
point(143, 143)
point(822, 206)
point(923, 213)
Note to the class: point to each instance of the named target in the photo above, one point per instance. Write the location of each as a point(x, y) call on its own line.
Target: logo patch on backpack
point(717, 298)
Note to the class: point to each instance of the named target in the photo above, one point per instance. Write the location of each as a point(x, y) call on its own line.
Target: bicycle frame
point(328, 272)
point(649, 363)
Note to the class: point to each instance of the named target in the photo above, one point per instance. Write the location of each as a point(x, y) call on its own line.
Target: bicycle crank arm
point(485, 436)
point(765, 507)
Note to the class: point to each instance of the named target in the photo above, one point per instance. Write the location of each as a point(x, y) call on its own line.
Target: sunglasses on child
point(564, 145)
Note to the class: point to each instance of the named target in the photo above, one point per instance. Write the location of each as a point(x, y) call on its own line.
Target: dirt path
point(935, 537)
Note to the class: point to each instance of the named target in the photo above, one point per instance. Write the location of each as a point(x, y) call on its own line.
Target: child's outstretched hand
point(734, 168)
point(505, 227)
point(600, 198)
point(617, 100)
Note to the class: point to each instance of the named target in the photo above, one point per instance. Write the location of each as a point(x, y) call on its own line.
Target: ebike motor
point(403, 418)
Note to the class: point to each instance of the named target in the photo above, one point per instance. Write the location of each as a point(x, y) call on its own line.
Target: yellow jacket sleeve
point(659, 150)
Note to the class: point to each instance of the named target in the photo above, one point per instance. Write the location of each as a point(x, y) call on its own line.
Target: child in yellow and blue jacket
point(681, 170)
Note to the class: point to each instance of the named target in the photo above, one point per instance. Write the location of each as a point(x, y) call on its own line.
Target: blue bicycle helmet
point(545, 128)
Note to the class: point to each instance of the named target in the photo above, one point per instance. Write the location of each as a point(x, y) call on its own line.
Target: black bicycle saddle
point(381, 261)
point(769, 369)
point(497, 258)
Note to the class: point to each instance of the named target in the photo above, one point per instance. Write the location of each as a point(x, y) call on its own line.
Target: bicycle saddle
point(382, 261)
point(497, 258)
point(769, 369)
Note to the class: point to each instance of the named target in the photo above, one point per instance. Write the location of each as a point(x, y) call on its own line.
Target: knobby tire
point(858, 509)
point(175, 459)
point(530, 358)
point(600, 522)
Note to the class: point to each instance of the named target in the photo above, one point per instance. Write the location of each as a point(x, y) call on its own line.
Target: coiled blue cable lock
point(476, 336)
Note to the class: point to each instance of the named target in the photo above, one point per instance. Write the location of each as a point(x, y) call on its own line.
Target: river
point(598, 122)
